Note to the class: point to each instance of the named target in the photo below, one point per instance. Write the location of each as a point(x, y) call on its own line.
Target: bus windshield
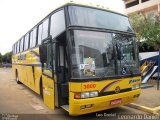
point(101, 54)
point(91, 17)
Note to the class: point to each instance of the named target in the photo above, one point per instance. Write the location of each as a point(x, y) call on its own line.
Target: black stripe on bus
point(104, 78)
point(47, 75)
point(35, 53)
point(37, 65)
point(113, 92)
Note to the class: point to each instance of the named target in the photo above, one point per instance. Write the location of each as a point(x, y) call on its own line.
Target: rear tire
point(17, 78)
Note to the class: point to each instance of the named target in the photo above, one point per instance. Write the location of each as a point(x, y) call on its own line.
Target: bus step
point(65, 107)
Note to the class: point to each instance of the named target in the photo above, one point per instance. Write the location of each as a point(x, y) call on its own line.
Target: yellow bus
point(80, 58)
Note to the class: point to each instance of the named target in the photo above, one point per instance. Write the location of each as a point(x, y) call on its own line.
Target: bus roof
point(72, 3)
point(93, 6)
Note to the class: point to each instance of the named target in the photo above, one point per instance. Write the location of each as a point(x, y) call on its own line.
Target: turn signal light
point(77, 95)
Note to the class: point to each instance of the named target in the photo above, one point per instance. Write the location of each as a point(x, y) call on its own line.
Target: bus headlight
point(136, 86)
point(86, 95)
point(93, 94)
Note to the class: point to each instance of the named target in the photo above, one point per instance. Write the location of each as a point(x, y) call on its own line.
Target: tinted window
point(21, 45)
point(26, 41)
point(45, 29)
point(15, 47)
point(39, 34)
point(57, 23)
point(90, 17)
point(31, 39)
point(18, 47)
point(34, 37)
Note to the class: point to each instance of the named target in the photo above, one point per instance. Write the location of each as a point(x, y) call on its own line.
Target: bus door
point(61, 84)
point(46, 54)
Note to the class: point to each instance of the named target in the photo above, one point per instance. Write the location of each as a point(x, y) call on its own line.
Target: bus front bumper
point(84, 106)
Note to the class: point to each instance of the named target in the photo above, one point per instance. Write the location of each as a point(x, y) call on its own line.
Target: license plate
point(115, 102)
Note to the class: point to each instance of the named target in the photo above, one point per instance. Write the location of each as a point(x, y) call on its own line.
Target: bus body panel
point(48, 91)
point(100, 103)
point(104, 87)
point(28, 67)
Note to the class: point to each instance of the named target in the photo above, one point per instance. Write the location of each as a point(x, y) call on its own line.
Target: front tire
point(17, 78)
point(41, 89)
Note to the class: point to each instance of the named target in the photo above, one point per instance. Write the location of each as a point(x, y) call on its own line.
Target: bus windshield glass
point(101, 54)
point(96, 18)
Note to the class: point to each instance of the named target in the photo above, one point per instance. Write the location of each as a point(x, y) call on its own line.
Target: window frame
point(47, 19)
point(26, 35)
point(65, 22)
point(21, 49)
point(18, 46)
point(39, 40)
point(15, 48)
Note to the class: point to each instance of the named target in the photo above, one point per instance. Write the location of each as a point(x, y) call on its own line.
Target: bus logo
point(117, 90)
point(134, 81)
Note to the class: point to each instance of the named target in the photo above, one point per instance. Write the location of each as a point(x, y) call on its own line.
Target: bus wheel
point(17, 78)
point(41, 89)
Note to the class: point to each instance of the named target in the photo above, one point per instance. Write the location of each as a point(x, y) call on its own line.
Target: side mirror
point(43, 53)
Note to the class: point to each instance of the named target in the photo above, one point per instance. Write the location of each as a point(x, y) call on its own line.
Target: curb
point(145, 109)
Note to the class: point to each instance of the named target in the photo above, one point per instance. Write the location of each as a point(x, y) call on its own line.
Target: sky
point(19, 16)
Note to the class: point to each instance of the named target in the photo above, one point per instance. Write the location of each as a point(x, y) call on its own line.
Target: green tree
point(0, 58)
point(147, 28)
point(7, 58)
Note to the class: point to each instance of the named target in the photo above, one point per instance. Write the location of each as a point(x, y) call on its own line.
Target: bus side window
point(39, 34)
point(48, 64)
point(21, 44)
point(34, 37)
point(15, 48)
point(45, 29)
point(31, 39)
point(26, 44)
point(18, 47)
point(57, 23)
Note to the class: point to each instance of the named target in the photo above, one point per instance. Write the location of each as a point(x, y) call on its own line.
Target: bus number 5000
point(88, 86)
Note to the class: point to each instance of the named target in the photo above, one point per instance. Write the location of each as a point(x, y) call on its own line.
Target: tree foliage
point(0, 58)
point(147, 28)
point(7, 58)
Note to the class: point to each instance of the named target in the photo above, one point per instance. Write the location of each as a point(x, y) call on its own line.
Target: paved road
point(19, 101)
